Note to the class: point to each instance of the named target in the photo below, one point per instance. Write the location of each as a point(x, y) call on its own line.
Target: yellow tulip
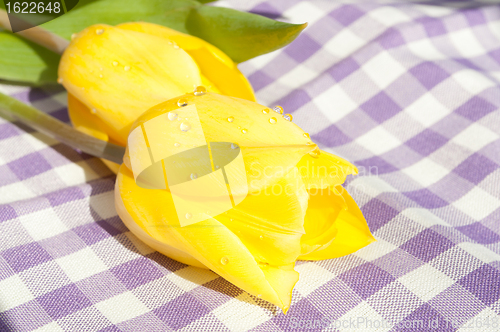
point(296, 208)
point(114, 74)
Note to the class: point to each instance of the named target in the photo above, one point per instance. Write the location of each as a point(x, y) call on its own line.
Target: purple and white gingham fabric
point(410, 92)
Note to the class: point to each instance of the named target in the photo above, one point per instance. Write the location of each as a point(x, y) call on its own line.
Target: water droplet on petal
point(217, 166)
point(194, 176)
point(177, 144)
point(278, 109)
point(306, 135)
point(99, 31)
point(176, 46)
point(288, 117)
point(73, 36)
point(244, 131)
point(126, 68)
point(182, 102)
point(115, 63)
point(315, 153)
point(172, 115)
point(265, 111)
point(272, 120)
point(100, 75)
point(259, 295)
point(230, 119)
point(59, 80)
point(309, 143)
point(93, 111)
point(234, 146)
point(185, 126)
point(224, 260)
point(199, 90)
point(261, 237)
point(101, 69)
point(188, 215)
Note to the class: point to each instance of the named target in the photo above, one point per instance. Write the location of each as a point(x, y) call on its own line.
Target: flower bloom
point(114, 74)
point(294, 209)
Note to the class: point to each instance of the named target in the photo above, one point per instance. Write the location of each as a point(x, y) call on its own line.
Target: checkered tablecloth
point(409, 92)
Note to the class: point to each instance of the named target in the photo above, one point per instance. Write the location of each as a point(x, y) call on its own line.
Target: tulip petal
point(214, 64)
point(336, 230)
point(123, 73)
point(209, 242)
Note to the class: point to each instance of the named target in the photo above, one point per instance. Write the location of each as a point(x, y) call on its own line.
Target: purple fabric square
point(23, 257)
point(391, 38)
point(426, 142)
point(476, 168)
point(302, 48)
point(398, 262)
point(426, 198)
point(366, 279)
point(475, 108)
point(30, 96)
point(112, 328)
point(259, 80)
point(433, 26)
point(8, 130)
point(484, 283)
point(346, 14)
point(427, 245)
point(377, 213)
point(294, 101)
point(340, 297)
point(495, 54)
point(137, 272)
point(62, 244)
point(181, 311)
point(166, 263)
point(7, 212)
point(101, 286)
point(331, 137)
point(266, 10)
point(64, 195)
point(109, 225)
point(91, 233)
point(480, 233)
point(381, 107)
point(426, 318)
point(25, 317)
point(342, 69)
point(429, 74)
point(474, 17)
point(375, 166)
point(29, 166)
point(61, 115)
point(295, 319)
point(146, 322)
point(63, 301)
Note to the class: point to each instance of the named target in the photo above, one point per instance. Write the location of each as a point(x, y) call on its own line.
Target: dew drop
point(234, 146)
point(217, 166)
point(261, 237)
point(288, 117)
point(230, 119)
point(194, 176)
point(272, 120)
point(265, 111)
point(188, 215)
point(309, 143)
point(176, 46)
point(101, 69)
point(185, 126)
point(99, 31)
point(126, 68)
point(306, 135)
point(199, 90)
point(244, 131)
point(182, 102)
point(177, 144)
point(115, 63)
point(278, 109)
point(73, 36)
point(224, 260)
point(59, 80)
point(315, 153)
point(93, 111)
point(259, 295)
point(172, 115)
point(100, 75)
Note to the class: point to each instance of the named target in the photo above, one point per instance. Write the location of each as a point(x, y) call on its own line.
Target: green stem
point(12, 109)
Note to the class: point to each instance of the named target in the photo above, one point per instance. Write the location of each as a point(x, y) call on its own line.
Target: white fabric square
point(427, 110)
point(334, 103)
point(426, 282)
point(14, 292)
point(372, 185)
point(375, 250)
point(51, 327)
point(241, 313)
point(378, 140)
point(477, 203)
point(42, 224)
point(104, 204)
point(343, 44)
point(304, 12)
point(297, 77)
point(389, 16)
point(383, 69)
point(121, 307)
point(81, 264)
point(191, 277)
point(424, 217)
point(361, 318)
point(13, 192)
point(480, 252)
point(312, 276)
point(475, 137)
point(466, 43)
point(425, 50)
point(426, 172)
point(485, 321)
point(473, 81)
point(76, 173)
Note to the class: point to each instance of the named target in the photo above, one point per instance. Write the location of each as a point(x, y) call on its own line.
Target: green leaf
point(24, 61)
point(240, 35)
